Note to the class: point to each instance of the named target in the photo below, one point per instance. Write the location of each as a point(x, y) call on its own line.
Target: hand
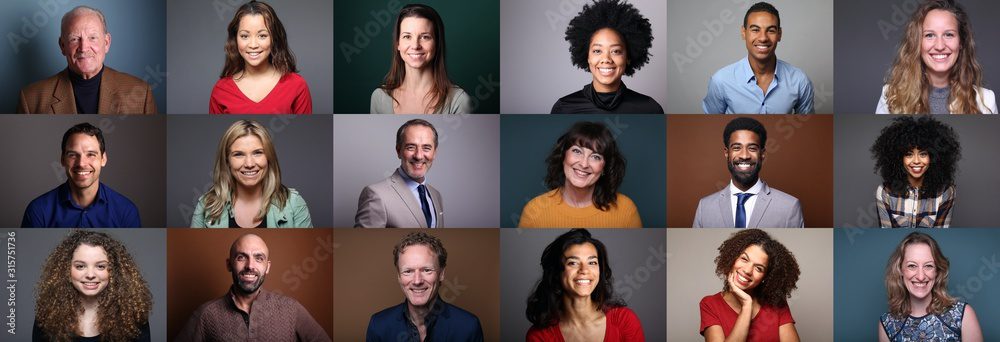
point(744, 297)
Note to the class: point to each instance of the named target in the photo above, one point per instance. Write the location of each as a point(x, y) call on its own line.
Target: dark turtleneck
point(622, 101)
point(86, 92)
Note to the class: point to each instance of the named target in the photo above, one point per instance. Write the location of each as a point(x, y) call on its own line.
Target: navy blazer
point(446, 322)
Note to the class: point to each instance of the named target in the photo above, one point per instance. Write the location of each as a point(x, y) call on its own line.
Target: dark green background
point(859, 286)
point(472, 33)
point(526, 140)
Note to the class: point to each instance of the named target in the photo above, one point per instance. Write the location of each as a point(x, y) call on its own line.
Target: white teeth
point(742, 278)
point(583, 281)
point(250, 173)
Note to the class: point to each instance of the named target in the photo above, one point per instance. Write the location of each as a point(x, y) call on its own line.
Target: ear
point(441, 275)
point(104, 159)
point(107, 45)
point(743, 33)
point(229, 266)
point(61, 44)
point(779, 35)
point(725, 152)
point(268, 268)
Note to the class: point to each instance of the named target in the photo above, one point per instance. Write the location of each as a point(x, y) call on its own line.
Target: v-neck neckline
point(269, 92)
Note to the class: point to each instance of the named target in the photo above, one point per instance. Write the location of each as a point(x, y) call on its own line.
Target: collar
point(273, 213)
point(261, 296)
point(438, 307)
point(410, 182)
point(591, 94)
point(755, 189)
point(78, 79)
point(67, 198)
point(746, 72)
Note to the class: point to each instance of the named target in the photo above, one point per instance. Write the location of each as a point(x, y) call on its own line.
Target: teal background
point(859, 283)
point(472, 33)
point(526, 140)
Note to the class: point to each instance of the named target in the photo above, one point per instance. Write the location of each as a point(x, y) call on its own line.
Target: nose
point(418, 278)
point(939, 44)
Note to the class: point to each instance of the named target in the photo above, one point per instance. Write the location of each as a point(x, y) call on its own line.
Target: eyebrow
point(755, 264)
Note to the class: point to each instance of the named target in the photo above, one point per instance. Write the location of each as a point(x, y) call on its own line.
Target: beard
point(247, 287)
point(746, 179)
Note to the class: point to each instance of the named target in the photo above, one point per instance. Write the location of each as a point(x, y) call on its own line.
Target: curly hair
point(597, 137)
point(619, 16)
point(123, 306)
point(545, 304)
point(281, 57)
point(923, 133)
point(747, 124)
point(908, 86)
point(421, 238)
point(899, 297)
point(782, 269)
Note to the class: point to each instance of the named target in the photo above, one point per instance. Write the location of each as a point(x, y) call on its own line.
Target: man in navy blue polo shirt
point(83, 201)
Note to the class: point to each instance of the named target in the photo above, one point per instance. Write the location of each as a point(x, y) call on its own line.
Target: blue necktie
point(422, 190)
point(741, 211)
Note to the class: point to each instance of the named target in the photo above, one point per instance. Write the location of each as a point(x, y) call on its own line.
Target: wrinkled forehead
point(83, 20)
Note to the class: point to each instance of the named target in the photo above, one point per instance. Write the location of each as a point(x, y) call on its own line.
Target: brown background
point(798, 161)
point(196, 270)
point(366, 283)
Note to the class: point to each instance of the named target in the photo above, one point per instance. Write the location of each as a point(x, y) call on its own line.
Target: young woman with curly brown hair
point(91, 290)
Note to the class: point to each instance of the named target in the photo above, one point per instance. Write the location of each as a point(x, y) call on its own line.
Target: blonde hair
point(224, 184)
point(908, 87)
point(899, 297)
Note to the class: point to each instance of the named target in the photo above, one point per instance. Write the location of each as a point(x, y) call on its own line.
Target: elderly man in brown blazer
point(86, 86)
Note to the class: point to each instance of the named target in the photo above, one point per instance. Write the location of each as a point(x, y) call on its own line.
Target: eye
point(596, 51)
point(928, 35)
point(571, 263)
point(593, 263)
point(240, 258)
point(244, 36)
point(78, 267)
point(407, 272)
point(759, 269)
point(102, 267)
point(911, 267)
point(618, 52)
point(596, 157)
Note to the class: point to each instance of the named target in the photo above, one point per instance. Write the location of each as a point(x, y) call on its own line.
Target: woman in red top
point(575, 299)
point(760, 274)
point(260, 75)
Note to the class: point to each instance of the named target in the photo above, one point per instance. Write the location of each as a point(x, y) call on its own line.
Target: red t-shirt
point(622, 325)
point(763, 327)
point(289, 96)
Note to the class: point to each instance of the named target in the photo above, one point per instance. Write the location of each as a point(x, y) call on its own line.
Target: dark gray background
point(855, 180)
point(137, 35)
point(136, 168)
point(862, 255)
point(196, 34)
point(466, 167)
point(148, 249)
point(708, 33)
point(303, 144)
point(864, 54)
point(637, 262)
point(535, 63)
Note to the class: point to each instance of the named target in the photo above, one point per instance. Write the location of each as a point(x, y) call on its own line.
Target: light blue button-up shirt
point(412, 184)
point(733, 90)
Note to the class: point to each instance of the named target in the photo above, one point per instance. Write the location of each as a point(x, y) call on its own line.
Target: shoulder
point(47, 199)
point(459, 315)
point(46, 85)
point(791, 69)
point(122, 80)
point(294, 80)
point(224, 84)
point(624, 202)
point(294, 199)
point(388, 314)
point(711, 300)
point(380, 186)
point(116, 197)
point(711, 198)
point(456, 93)
point(726, 73)
point(620, 314)
point(210, 308)
point(546, 199)
point(380, 94)
point(575, 96)
point(549, 333)
point(781, 195)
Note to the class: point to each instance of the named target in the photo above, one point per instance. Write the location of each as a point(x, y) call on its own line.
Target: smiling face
point(90, 270)
point(85, 42)
point(939, 45)
point(916, 162)
point(419, 275)
point(750, 268)
point(249, 264)
point(761, 35)
point(247, 161)
point(82, 158)
point(607, 59)
point(416, 154)
point(919, 270)
point(253, 40)
point(416, 42)
point(581, 270)
point(744, 158)
point(582, 167)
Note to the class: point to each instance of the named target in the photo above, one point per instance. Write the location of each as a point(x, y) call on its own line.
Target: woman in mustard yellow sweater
point(585, 170)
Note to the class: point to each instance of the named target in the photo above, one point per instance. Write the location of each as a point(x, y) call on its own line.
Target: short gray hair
point(78, 11)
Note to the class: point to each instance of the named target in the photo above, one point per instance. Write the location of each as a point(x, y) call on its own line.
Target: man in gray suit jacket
point(404, 200)
point(747, 202)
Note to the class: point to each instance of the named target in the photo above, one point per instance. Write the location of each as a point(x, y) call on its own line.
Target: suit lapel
point(725, 207)
point(62, 98)
point(759, 207)
point(105, 104)
point(438, 207)
point(399, 185)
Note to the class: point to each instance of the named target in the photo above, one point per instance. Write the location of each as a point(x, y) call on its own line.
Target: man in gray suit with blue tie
point(747, 202)
point(404, 200)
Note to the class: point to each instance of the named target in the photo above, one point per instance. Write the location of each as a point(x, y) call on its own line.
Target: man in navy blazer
point(420, 261)
point(747, 202)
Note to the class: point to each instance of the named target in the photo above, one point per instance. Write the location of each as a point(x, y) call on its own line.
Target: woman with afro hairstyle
point(758, 274)
point(916, 158)
point(920, 309)
point(91, 290)
point(935, 70)
point(575, 299)
point(609, 38)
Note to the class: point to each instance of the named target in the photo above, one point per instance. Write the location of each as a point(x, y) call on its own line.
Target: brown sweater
point(272, 317)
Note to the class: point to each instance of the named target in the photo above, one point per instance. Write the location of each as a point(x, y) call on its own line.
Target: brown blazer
point(120, 93)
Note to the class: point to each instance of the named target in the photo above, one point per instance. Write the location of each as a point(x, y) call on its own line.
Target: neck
point(419, 313)
point(249, 194)
point(606, 88)
point(744, 187)
point(418, 80)
point(244, 301)
point(918, 306)
point(579, 310)
point(86, 76)
point(916, 183)
point(578, 197)
point(90, 303)
point(264, 69)
point(763, 67)
point(86, 196)
point(938, 80)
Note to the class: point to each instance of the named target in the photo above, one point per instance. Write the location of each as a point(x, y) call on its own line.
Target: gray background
point(535, 63)
point(855, 178)
point(137, 35)
point(862, 255)
point(866, 53)
point(136, 168)
point(196, 34)
point(466, 168)
point(637, 265)
point(302, 144)
point(703, 32)
point(691, 257)
point(147, 246)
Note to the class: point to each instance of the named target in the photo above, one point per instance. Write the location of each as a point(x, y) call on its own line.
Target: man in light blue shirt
point(759, 83)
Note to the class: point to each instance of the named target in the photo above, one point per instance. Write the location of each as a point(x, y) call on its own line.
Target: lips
point(250, 173)
point(742, 281)
point(581, 174)
point(90, 285)
point(744, 166)
point(584, 282)
point(606, 71)
point(254, 54)
point(249, 277)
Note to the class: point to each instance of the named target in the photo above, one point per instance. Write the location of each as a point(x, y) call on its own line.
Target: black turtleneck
point(86, 92)
point(623, 101)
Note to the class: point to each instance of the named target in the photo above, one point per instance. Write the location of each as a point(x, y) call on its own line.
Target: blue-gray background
point(148, 249)
point(303, 145)
point(526, 141)
point(855, 180)
point(638, 263)
point(704, 36)
point(535, 59)
point(859, 288)
point(466, 167)
point(137, 29)
point(196, 34)
point(867, 36)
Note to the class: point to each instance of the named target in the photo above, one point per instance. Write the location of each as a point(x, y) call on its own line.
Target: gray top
point(458, 102)
point(939, 100)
